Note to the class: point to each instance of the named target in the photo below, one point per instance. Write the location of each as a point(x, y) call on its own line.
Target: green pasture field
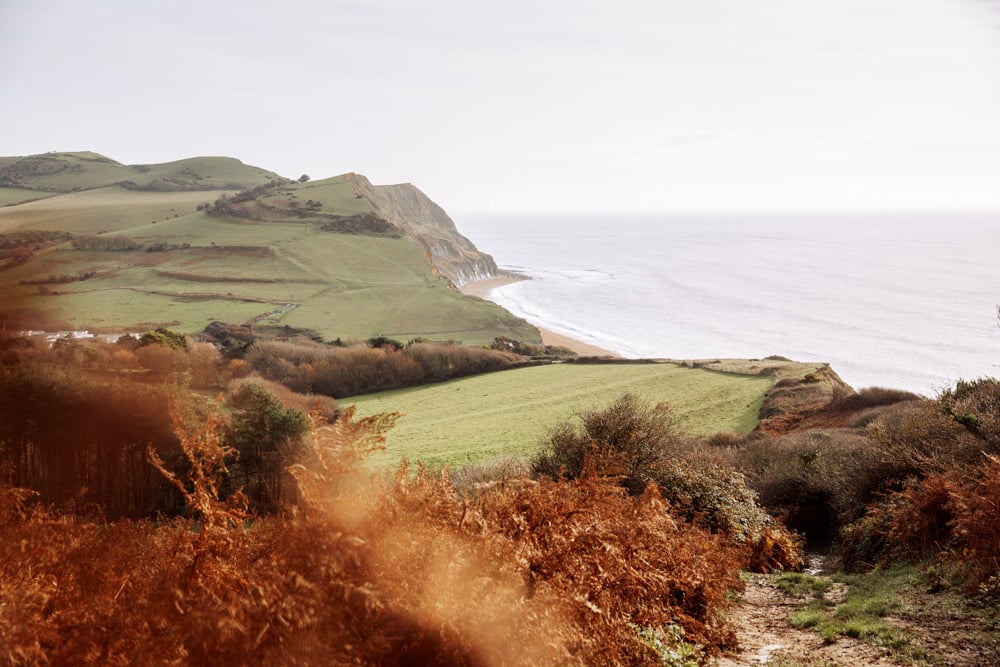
point(101, 210)
point(510, 412)
point(343, 285)
point(271, 268)
point(11, 196)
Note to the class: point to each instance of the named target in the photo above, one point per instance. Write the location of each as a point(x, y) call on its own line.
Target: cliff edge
point(404, 205)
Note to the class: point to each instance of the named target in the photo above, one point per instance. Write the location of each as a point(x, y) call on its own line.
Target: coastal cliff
point(424, 222)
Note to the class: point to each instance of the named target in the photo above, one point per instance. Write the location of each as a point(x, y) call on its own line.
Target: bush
point(485, 474)
point(636, 444)
point(105, 243)
point(814, 481)
point(918, 437)
point(637, 435)
point(266, 436)
point(306, 366)
point(325, 406)
point(975, 405)
point(949, 517)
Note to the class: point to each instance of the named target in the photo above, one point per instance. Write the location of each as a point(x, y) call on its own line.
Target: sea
point(903, 300)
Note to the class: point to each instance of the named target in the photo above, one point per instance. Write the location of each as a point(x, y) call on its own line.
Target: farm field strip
point(462, 421)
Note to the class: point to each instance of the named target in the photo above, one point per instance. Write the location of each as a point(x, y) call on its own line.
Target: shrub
point(973, 504)
point(814, 481)
point(718, 498)
point(635, 433)
point(917, 437)
point(637, 443)
point(975, 405)
point(306, 366)
point(488, 473)
point(160, 360)
point(266, 436)
point(107, 243)
point(872, 397)
point(164, 337)
point(323, 405)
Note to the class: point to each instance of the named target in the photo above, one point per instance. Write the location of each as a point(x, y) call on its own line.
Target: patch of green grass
point(807, 618)
point(870, 598)
point(106, 209)
point(799, 583)
point(779, 661)
point(459, 422)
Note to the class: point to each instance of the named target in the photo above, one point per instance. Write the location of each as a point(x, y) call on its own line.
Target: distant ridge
point(85, 170)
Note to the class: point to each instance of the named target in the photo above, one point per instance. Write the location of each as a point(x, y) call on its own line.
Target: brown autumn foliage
point(305, 366)
point(951, 517)
point(942, 455)
point(80, 440)
point(305, 403)
point(370, 570)
point(643, 441)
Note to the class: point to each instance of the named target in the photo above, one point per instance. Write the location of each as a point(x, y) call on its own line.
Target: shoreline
point(483, 288)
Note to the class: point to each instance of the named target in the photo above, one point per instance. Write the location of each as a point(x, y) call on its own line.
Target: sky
point(531, 106)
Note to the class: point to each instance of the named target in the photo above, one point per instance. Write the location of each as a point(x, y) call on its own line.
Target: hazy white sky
point(541, 105)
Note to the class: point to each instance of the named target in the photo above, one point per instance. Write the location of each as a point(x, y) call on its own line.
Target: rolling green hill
point(71, 172)
point(183, 243)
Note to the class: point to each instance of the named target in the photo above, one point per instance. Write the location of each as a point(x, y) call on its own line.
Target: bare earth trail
point(947, 635)
point(761, 623)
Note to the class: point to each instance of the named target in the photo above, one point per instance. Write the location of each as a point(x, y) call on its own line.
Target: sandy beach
point(482, 289)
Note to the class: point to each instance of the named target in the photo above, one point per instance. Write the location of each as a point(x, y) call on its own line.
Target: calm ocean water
point(895, 300)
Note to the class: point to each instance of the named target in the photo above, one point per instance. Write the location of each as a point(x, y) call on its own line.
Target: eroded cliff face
point(454, 256)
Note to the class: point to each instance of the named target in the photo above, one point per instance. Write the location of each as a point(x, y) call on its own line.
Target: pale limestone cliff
point(404, 205)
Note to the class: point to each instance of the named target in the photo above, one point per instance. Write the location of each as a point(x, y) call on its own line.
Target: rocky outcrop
point(452, 255)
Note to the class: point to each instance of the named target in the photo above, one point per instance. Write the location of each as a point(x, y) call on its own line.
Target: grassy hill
point(70, 172)
point(184, 243)
point(463, 421)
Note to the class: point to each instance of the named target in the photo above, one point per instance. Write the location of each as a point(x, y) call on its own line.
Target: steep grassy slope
point(462, 421)
point(317, 255)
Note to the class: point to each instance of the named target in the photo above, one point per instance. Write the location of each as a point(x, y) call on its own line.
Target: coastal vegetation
point(311, 448)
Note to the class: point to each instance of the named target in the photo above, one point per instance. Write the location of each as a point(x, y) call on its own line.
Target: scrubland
point(162, 503)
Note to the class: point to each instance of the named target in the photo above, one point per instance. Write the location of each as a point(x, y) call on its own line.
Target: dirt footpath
point(948, 633)
point(761, 623)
